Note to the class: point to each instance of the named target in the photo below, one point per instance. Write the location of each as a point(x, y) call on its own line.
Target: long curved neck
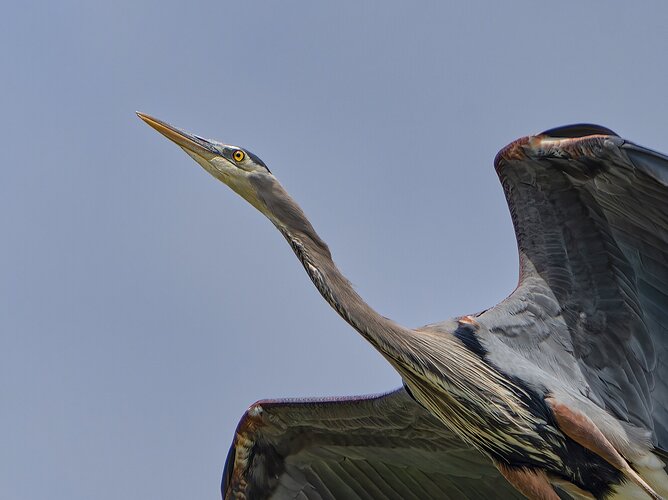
point(387, 336)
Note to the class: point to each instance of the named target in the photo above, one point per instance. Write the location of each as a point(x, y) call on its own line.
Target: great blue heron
point(563, 386)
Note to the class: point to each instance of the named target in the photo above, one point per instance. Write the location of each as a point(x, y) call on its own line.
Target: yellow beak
point(190, 142)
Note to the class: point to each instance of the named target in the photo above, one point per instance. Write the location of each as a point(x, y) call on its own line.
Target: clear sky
point(144, 306)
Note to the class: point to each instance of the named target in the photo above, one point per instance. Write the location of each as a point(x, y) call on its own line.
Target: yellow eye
point(238, 155)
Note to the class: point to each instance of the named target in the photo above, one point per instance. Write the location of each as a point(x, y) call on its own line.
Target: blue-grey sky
point(144, 306)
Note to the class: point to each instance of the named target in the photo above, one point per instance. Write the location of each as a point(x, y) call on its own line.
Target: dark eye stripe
point(257, 160)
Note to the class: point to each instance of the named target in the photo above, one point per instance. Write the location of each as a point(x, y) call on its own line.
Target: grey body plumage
point(563, 386)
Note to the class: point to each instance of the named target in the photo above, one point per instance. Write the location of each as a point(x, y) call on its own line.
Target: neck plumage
point(386, 335)
point(383, 333)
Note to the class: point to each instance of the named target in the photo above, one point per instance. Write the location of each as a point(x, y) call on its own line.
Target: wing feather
point(591, 309)
point(384, 447)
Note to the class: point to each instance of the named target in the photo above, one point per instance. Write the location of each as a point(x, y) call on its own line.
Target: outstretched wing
point(384, 447)
point(590, 212)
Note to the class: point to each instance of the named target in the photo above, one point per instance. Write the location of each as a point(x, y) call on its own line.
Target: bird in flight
point(559, 391)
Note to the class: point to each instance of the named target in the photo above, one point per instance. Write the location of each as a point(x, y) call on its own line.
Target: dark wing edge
point(382, 446)
point(591, 219)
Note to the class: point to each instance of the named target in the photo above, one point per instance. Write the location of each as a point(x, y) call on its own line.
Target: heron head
point(247, 175)
point(237, 167)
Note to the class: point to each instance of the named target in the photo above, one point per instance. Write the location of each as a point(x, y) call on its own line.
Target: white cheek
point(221, 165)
point(222, 170)
point(212, 166)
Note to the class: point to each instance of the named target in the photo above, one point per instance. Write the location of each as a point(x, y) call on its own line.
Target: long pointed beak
point(190, 142)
